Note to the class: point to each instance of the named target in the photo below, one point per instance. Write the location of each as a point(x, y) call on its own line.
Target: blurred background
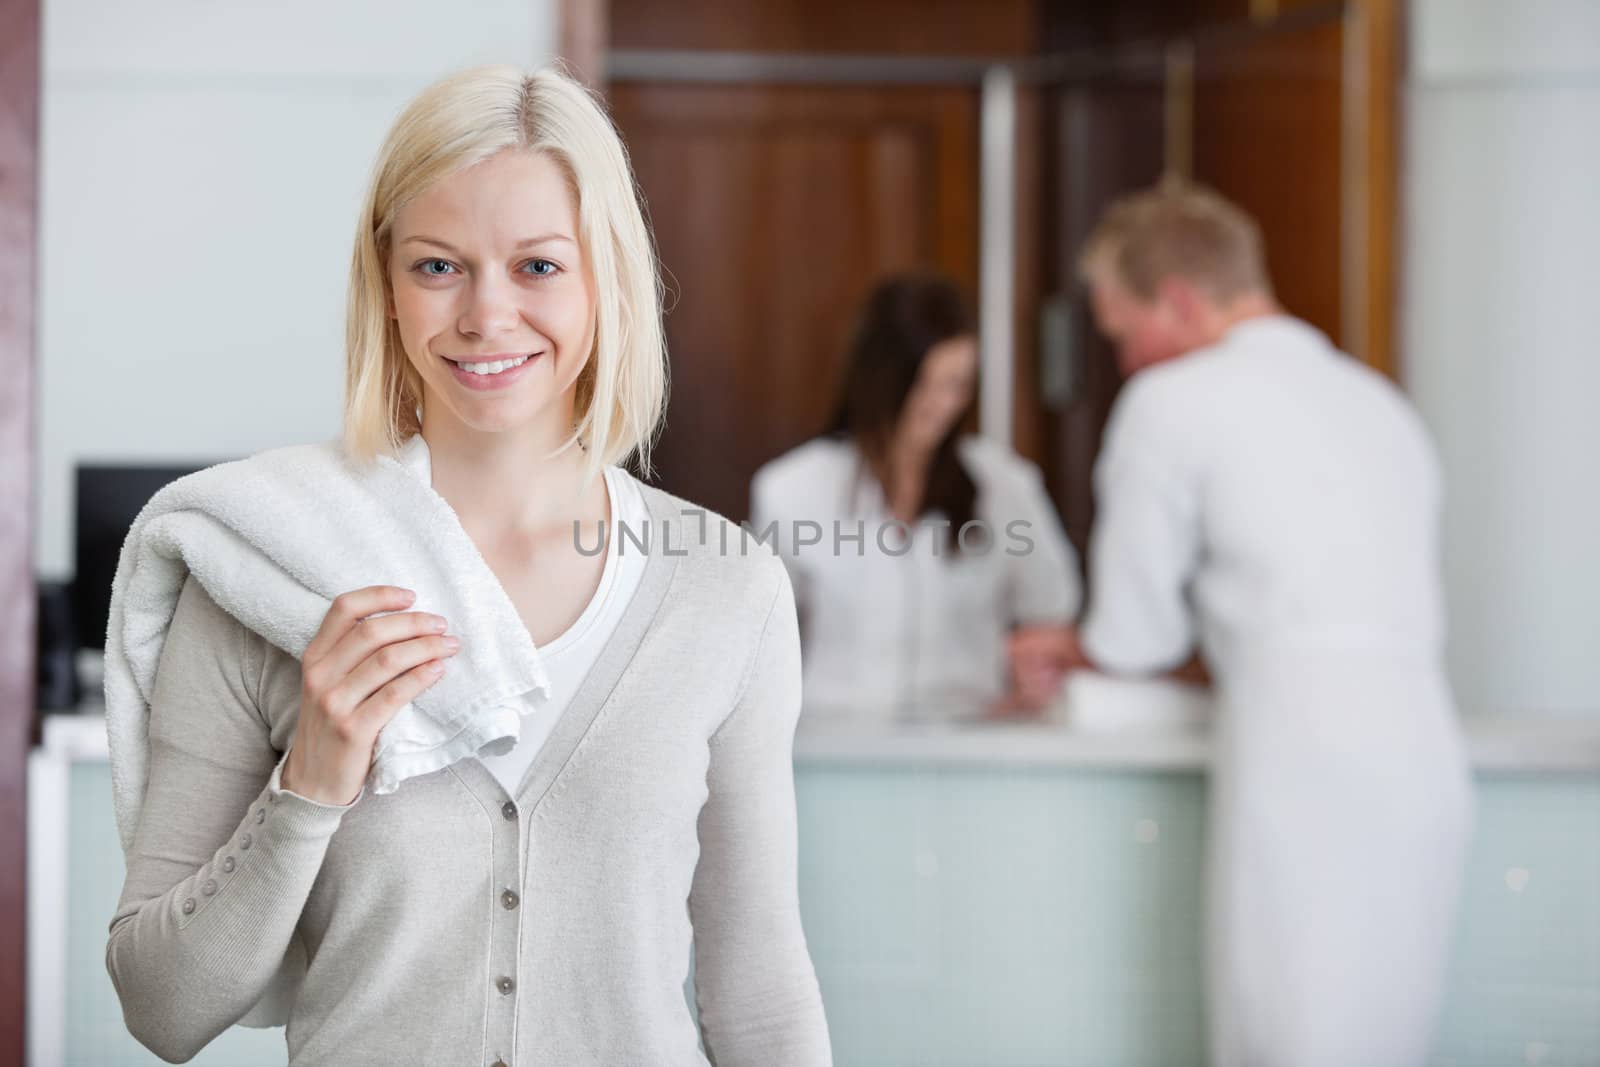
point(187, 175)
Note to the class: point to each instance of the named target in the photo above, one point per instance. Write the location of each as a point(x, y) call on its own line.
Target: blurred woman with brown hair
point(913, 546)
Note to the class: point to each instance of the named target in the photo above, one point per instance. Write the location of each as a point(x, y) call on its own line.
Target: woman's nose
point(491, 309)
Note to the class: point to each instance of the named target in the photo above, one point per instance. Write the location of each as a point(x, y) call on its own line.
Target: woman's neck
point(508, 484)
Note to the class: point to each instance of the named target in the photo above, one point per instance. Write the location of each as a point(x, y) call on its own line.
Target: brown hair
point(904, 317)
point(1177, 229)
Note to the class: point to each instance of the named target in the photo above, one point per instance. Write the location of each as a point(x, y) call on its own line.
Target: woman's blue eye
point(542, 268)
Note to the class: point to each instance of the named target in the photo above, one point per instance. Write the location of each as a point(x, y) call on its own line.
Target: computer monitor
point(109, 498)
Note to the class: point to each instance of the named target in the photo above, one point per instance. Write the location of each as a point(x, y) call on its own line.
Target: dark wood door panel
point(899, 27)
point(1267, 134)
point(775, 208)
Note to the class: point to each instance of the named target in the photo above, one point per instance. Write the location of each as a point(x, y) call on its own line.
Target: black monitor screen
point(109, 498)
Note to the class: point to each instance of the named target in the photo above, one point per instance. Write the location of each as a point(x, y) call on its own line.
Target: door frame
point(19, 222)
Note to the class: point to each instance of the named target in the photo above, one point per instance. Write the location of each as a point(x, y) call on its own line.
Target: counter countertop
point(1501, 743)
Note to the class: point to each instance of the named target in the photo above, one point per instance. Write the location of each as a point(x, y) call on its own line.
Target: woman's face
point(485, 267)
point(943, 389)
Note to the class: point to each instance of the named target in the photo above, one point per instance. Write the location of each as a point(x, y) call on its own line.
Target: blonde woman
point(537, 907)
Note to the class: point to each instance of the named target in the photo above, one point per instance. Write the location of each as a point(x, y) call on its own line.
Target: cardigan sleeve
point(755, 988)
point(223, 860)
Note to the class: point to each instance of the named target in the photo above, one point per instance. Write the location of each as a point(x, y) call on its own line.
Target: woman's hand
point(356, 674)
point(1040, 657)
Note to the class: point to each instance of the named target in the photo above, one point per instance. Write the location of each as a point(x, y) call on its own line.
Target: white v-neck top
point(568, 657)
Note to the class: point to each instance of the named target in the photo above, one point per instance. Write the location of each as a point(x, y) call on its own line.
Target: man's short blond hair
point(1177, 229)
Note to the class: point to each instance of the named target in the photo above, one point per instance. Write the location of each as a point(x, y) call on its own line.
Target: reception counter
point(992, 895)
point(1031, 894)
point(1111, 724)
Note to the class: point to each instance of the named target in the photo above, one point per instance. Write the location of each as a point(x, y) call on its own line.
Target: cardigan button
point(188, 906)
point(509, 810)
point(509, 899)
point(210, 887)
point(499, 1063)
point(505, 985)
point(261, 816)
point(228, 864)
point(246, 841)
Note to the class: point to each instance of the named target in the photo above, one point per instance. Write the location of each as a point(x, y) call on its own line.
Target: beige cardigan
point(453, 925)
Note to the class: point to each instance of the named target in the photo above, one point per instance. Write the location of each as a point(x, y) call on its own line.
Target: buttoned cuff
point(272, 858)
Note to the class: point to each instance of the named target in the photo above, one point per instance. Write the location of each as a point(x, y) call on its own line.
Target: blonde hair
point(461, 120)
point(1177, 229)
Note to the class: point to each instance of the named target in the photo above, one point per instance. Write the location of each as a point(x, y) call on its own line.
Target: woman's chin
point(492, 417)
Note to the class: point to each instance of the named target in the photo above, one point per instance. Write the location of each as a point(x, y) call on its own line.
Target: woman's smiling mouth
point(493, 373)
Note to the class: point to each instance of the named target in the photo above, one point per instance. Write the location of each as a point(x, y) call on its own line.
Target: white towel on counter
point(274, 538)
point(1101, 703)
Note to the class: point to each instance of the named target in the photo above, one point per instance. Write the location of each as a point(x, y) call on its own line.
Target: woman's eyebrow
point(526, 242)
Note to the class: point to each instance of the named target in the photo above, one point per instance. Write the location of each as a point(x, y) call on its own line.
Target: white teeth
point(493, 368)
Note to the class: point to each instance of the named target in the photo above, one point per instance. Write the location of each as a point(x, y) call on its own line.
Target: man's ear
point(1101, 296)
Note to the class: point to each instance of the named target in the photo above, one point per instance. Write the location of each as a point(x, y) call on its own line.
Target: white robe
point(1277, 502)
point(916, 635)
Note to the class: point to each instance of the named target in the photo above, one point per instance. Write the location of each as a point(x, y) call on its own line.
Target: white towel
point(1101, 703)
point(273, 539)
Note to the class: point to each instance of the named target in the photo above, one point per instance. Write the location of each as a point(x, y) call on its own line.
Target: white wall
point(1501, 335)
point(202, 167)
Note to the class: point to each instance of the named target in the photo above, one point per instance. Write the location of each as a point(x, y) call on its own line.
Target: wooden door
point(1295, 120)
point(1268, 113)
point(775, 208)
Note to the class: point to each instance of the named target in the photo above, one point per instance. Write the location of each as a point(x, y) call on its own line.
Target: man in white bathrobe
point(1273, 503)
